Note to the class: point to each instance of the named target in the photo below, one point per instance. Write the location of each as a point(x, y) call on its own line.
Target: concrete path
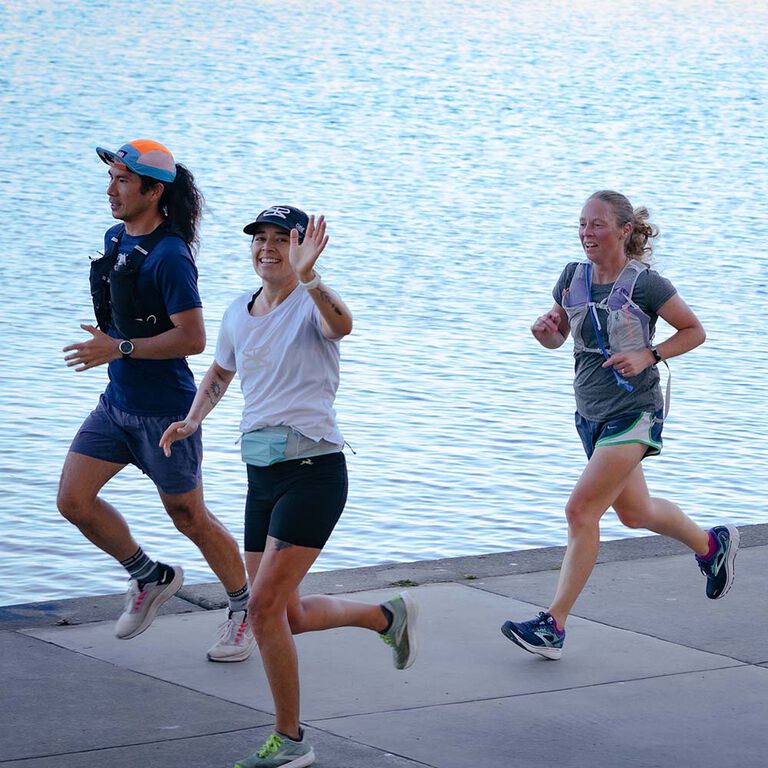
point(653, 673)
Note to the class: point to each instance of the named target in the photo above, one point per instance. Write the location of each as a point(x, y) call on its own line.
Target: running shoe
point(235, 641)
point(536, 636)
point(143, 601)
point(279, 751)
point(719, 568)
point(401, 635)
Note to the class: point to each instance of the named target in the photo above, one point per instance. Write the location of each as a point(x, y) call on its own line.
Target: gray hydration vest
point(628, 327)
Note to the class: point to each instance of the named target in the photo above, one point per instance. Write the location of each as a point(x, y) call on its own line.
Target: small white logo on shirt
point(257, 358)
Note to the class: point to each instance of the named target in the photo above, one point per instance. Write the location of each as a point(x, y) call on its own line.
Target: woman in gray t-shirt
point(609, 303)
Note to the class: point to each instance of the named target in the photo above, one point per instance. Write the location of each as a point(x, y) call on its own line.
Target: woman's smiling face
point(601, 236)
point(269, 250)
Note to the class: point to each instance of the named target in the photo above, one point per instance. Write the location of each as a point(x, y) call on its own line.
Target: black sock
point(142, 568)
point(286, 736)
point(390, 618)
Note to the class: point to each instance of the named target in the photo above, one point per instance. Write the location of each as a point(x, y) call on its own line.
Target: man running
point(150, 318)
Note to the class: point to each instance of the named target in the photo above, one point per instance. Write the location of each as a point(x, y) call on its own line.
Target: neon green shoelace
point(270, 746)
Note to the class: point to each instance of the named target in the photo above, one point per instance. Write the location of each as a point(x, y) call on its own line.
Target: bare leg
point(82, 477)
point(636, 508)
point(600, 484)
point(313, 613)
point(317, 612)
point(252, 563)
point(277, 581)
point(195, 521)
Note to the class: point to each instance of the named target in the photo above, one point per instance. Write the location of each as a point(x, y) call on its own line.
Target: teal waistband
point(269, 445)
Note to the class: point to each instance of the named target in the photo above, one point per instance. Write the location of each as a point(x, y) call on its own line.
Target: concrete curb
point(197, 597)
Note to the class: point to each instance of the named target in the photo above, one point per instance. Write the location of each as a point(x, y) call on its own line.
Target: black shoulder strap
point(114, 245)
point(144, 247)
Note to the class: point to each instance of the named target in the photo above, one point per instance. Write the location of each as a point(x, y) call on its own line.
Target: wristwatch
point(656, 355)
point(313, 283)
point(126, 348)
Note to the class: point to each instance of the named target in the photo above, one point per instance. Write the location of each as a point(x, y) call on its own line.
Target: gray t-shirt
point(598, 396)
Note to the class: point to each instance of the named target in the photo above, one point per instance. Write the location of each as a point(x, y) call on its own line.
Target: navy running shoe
point(536, 636)
point(719, 568)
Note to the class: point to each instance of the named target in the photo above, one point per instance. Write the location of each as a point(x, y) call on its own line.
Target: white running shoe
point(142, 604)
point(236, 641)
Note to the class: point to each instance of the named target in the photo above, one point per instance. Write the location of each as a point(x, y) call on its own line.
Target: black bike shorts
point(297, 501)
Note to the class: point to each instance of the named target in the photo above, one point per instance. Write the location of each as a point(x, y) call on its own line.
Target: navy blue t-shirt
point(167, 284)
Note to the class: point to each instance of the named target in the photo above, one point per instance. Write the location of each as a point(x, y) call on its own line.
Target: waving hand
point(303, 256)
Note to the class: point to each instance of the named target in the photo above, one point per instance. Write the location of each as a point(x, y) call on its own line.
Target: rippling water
point(451, 146)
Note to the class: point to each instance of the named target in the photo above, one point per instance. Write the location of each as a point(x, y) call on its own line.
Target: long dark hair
point(181, 204)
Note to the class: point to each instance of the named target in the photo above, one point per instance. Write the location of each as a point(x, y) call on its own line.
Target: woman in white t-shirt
point(283, 342)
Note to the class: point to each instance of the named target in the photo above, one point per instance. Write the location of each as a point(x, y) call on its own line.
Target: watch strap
point(313, 283)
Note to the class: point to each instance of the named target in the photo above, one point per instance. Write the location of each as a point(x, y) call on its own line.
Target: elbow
point(341, 327)
point(196, 343)
point(701, 335)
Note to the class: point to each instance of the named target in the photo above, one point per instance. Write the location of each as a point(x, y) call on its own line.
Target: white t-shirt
point(289, 371)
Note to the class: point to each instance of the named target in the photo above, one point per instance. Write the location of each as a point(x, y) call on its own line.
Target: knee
point(189, 519)
point(72, 506)
point(580, 515)
point(264, 609)
point(632, 517)
point(297, 619)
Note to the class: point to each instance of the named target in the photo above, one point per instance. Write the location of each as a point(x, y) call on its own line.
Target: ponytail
point(181, 204)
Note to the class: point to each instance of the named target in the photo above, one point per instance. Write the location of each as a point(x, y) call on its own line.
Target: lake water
point(450, 146)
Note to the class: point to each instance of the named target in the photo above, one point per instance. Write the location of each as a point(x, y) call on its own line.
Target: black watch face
point(126, 347)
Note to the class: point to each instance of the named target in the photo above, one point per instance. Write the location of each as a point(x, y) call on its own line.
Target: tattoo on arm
point(282, 544)
point(214, 392)
point(328, 299)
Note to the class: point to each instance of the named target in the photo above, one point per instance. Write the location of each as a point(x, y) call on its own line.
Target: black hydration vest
point(114, 289)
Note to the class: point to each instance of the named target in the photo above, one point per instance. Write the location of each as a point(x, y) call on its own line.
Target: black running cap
point(284, 216)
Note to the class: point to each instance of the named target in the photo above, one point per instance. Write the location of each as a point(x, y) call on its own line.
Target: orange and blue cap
point(142, 156)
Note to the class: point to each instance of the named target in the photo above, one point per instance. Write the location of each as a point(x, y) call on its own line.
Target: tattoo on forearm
point(282, 544)
point(214, 392)
point(328, 299)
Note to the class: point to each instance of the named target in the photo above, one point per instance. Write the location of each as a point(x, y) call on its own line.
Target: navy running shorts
point(642, 427)
point(297, 501)
point(110, 434)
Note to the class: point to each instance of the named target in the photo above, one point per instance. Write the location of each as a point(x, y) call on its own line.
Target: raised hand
point(302, 256)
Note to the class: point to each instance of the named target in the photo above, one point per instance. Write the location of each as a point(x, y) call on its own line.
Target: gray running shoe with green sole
point(401, 636)
point(279, 751)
